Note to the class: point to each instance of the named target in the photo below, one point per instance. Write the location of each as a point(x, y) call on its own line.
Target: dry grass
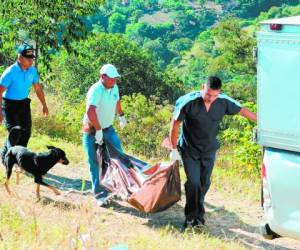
point(73, 221)
point(49, 224)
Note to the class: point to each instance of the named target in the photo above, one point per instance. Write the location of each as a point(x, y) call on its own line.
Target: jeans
point(110, 135)
point(198, 171)
point(88, 141)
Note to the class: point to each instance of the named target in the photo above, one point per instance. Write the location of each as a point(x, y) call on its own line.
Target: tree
point(138, 32)
point(171, 4)
point(251, 8)
point(117, 23)
point(160, 51)
point(207, 42)
point(42, 21)
point(278, 12)
point(190, 23)
point(234, 50)
point(139, 73)
point(179, 45)
point(162, 30)
point(7, 49)
point(97, 21)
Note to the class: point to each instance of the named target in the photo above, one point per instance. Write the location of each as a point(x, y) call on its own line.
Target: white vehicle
point(278, 106)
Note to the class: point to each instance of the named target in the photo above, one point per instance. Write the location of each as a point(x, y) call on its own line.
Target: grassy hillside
point(73, 220)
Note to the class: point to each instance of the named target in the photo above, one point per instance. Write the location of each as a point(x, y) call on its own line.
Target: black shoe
point(103, 198)
point(193, 224)
point(198, 225)
point(198, 222)
point(188, 224)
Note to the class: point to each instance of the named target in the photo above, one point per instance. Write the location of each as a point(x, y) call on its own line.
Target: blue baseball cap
point(26, 50)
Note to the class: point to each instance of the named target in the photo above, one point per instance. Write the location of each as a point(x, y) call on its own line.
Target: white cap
point(109, 70)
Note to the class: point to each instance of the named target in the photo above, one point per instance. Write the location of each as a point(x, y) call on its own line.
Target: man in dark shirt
point(200, 114)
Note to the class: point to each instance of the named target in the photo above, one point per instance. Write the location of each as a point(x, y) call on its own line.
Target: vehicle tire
point(267, 233)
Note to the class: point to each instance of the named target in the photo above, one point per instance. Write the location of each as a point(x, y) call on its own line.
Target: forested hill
point(183, 35)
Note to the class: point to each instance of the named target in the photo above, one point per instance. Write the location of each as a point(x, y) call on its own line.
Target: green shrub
point(64, 120)
point(238, 147)
point(148, 125)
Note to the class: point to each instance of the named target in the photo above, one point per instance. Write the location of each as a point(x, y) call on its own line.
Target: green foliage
point(250, 8)
point(195, 74)
point(179, 45)
point(76, 73)
point(148, 125)
point(242, 89)
point(40, 22)
point(234, 47)
point(207, 42)
point(225, 51)
point(117, 23)
point(278, 12)
point(138, 32)
point(98, 21)
point(159, 51)
point(186, 23)
point(245, 154)
point(172, 5)
point(165, 30)
point(64, 120)
point(7, 45)
point(190, 23)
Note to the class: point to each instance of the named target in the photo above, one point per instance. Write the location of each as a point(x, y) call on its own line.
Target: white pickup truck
point(278, 131)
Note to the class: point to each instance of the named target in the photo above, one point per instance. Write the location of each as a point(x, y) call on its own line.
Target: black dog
point(33, 163)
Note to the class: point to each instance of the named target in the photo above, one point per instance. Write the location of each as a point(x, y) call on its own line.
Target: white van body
point(278, 109)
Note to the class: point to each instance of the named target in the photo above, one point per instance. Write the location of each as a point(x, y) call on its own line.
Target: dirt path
point(240, 220)
point(229, 220)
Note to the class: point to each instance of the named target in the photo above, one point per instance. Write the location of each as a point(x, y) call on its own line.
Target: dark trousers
point(198, 171)
point(17, 113)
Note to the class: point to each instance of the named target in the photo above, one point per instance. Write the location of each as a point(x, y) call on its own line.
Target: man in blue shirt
point(15, 85)
point(102, 103)
point(200, 114)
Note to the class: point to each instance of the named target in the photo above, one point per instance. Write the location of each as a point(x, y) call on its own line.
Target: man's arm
point(92, 115)
point(174, 129)
point(2, 89)
point(40, 94)
point(119, 108)
point(248, 114)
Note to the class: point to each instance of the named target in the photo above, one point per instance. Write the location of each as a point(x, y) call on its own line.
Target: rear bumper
point(280, 189)
point(289, 227)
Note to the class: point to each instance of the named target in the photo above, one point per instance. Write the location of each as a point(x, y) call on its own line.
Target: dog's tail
point(14, 137)
point(5, 152)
